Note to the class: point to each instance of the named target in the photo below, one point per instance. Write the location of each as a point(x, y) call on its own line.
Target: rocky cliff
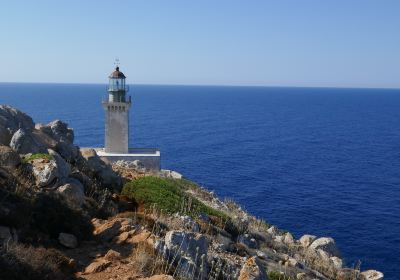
point(66, 214)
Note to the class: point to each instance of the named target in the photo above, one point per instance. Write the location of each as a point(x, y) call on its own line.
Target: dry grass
point(26, 262)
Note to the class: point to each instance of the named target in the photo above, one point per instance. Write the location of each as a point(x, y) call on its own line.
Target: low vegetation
point(25, 262)
point(167, 195)
point(37, 156)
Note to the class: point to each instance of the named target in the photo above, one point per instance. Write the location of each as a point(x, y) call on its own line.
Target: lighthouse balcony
point(118, 87)
point(111, 98)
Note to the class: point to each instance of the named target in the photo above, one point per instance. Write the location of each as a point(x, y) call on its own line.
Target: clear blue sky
point(339, 43)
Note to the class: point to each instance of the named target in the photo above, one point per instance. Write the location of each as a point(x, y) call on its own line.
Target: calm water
point(319, 161)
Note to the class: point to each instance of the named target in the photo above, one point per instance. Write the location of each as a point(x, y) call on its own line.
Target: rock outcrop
point(73, 192)
point(45, 171)
point(372, 275)
point(24, 141)
point(101, 170)
point(11, 120)
point(327, 245)
point(306, 240)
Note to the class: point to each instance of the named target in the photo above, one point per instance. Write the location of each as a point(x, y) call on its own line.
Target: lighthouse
point(116, 108)
point(116, 147)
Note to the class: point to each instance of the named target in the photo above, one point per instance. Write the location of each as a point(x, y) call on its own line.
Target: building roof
point(117, 74)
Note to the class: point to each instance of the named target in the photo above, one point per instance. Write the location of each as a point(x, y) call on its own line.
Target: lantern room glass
point(116, 84)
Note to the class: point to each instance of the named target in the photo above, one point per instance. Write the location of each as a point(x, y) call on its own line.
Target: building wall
point(116, 127)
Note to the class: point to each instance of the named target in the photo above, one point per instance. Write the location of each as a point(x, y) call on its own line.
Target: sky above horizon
point(331, 43)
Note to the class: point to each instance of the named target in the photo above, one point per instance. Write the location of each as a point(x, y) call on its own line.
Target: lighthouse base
point(149, 157)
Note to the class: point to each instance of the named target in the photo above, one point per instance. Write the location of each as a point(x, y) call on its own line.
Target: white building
point(117, 106)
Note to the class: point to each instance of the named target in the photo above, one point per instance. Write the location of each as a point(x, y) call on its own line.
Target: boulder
point(106, 230)
point(24, 141)
point(288, 239)
point(8, 158)
point(112, 255)
point(326, 244)
point(44, 139)
point(58, 130)
point(273, 231)
point(64, 169)
point(252, 270)
point(323, 255)
point(67, 240)
point(11, 120)
point(190, 243)
point(336, 262)
point(188, 223)
point(191, 249)
point(247, 240)
point(83, 178)
point(73, 192)
point(67, 150)
point(306, 240)
point(57, 136)
point(101, 170)
point(97, 266)
point(372, 275)
point(45, 171)
point(279, 238)
point(171, 174)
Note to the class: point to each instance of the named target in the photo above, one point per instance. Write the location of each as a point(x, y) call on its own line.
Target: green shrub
point(37, 156)
point(167, 195)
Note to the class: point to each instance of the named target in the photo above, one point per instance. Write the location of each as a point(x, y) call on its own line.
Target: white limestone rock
point(24, 142)
point(326, 244)
point(372, 275)
point(273, 231)
point(306, 240)
point(190, 247)
point(336, 262)
point(171, 174)
point(11, 120)
point(45, 171)
point(288, 239)
point(64, 169)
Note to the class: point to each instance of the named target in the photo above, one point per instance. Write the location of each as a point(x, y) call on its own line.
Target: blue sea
point(310, 160)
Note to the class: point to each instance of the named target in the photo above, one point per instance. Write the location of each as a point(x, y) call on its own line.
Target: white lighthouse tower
point(116, 107)
point(117, 114)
